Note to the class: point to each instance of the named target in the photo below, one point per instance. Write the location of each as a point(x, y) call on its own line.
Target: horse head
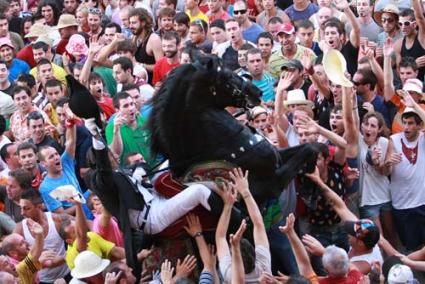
point(224, 87)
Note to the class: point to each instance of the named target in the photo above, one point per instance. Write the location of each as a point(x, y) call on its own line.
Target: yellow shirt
point(199, 16)
point(58, 72)
point(27, 268)
point(96, 244)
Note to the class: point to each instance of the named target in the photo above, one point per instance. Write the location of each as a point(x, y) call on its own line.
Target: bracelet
point(198, 234)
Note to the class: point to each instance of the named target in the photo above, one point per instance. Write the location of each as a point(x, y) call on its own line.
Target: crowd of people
point(78, 204)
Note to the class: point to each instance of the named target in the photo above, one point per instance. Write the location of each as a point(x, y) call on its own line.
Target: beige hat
point(37, 30)
point(46, 39)
point(390, 8)
point(256, 111)
point(335, 67)
point(297, 97)
point(66, 20)
point(87, 264)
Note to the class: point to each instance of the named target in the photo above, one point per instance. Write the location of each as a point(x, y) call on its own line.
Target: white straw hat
point(87, 264)
point(335, 67)
point(297, 97)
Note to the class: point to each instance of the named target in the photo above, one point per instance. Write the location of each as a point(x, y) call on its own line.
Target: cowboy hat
point(389, 8)
point(297, 97)
point(66, 20)
point(335, 67)
point(37, 30)
point(87, 264)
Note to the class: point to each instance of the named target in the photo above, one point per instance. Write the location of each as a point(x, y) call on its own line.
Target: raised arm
point(409, 102)
point(351, 132)
point(81, 227)
point(238, 271)
point(301, 255)
point(282, 86)
point(94, 48)
point(71, 132)
point(38, 233)
point(306, 61)
point(337, 203)
point(419, 17)
point(355, 27)
point(223, 223)
point(106, 51)
point(389, 91)
point(116, 144)
point(240, 183)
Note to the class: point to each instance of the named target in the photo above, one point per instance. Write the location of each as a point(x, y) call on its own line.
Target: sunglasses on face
point(406, 23)
point(357, 83)
point(388, 20)
point(239, 12)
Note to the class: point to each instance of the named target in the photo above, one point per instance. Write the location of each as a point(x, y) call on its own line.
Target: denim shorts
point(372, 211)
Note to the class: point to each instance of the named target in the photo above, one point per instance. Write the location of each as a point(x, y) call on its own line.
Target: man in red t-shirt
point(170, 42)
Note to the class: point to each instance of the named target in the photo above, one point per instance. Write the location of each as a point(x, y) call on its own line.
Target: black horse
point(189, 125)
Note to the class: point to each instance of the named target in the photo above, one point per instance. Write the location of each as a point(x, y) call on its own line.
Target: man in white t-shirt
point(407, 187)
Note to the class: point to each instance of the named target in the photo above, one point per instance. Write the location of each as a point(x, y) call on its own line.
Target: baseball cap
point(6, 41)
point(293, 63)
point(364, 230)
point(286, 28)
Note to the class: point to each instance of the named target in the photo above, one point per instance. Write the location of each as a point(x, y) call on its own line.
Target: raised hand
point(285, 81)
point(239, 180)
point(166, 272)
point(185, 268)
point(193, 224)
point(235, 239)
point(314, 176)
point(306, 60)
point(228, 194)
point(312, 245)
point(289, 226)
point(393, 159)
point(341, 4)
point(112, 277)
point(408, 101)
point(388, 47)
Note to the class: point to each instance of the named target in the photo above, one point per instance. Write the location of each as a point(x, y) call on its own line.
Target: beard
point(170, 54)
point(137, 31)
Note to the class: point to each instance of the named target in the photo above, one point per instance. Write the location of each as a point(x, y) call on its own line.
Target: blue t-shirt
point(381, 106)
point(295, 15)
point(252, 33)
point(68, 177)
point(17, 67)
point(266, 85)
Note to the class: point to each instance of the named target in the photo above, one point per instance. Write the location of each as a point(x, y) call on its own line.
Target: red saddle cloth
point(168, 187)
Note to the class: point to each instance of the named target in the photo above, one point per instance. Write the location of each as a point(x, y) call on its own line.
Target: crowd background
point(359, 218)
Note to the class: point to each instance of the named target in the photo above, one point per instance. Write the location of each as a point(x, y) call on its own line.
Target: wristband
point(69, 123)
point(198, 234)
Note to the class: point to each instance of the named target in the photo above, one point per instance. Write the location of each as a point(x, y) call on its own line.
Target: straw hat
point(37, 30)
point(66, 20)
point(389, 8)
point(335, 67)
point(87, 264)
point(46, 39)
point(297, 97)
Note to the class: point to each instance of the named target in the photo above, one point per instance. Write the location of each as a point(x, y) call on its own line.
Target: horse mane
point(179, 97)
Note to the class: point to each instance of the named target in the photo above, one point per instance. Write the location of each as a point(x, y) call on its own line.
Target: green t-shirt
point(134, 140)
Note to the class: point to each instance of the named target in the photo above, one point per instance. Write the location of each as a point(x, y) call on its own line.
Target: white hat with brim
point(297, 97)
point(46, 39)
point(37, 30)
point(413, 85)
point(335, 67)
point(87, 264)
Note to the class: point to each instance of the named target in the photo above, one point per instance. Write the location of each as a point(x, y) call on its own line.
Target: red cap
point(286, 28)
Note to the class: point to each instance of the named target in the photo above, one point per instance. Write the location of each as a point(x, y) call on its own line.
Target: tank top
point(51, 242)
point(415, 51)
point(374, 187)
point(143, 57)
point(374, 255)
point(407, 185)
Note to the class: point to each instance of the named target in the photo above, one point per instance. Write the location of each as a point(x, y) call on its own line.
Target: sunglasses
point(239, 12)
point(357, 83)
point(388, 20)
point(406, 23)
point(95, 11)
